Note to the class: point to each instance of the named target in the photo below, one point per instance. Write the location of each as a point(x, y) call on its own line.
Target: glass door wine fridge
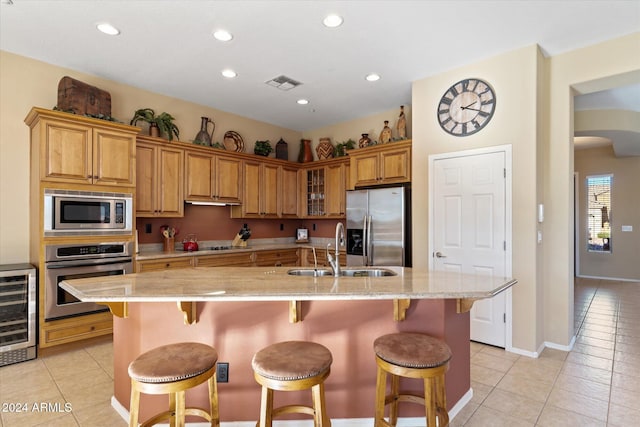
point(17, 313)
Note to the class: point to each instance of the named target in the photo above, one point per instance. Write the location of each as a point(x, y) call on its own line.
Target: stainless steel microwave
point(69, 212)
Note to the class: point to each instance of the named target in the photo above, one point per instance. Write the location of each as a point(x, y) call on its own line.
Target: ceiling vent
point(283, 83)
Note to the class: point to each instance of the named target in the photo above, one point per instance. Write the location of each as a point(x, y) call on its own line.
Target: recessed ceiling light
point(229, 73)
point(107, 28)
point(373, 77)
point(332, 21)
point(222, 35)
point(302, 101)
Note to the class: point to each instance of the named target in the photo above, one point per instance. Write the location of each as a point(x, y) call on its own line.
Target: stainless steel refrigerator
point(379, 226)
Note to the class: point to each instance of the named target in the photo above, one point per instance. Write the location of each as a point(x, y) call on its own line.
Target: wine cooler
point(17, 313)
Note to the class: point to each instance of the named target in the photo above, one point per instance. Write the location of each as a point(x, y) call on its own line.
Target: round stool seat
point(292, 360)
point(173, 362)
point(412, 350)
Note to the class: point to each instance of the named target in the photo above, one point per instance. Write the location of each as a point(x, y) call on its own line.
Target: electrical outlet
point(314, 227)
point(281, 227)
point(222, 372)
point(147, 228)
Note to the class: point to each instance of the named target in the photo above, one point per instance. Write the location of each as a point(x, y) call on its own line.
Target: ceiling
point(167, 47)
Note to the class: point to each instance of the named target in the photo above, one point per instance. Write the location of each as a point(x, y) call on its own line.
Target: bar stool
point(292, 366)
point(411, 355)
point(172, 369)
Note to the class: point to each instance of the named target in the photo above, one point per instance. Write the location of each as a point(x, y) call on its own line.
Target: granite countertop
point(274, 284)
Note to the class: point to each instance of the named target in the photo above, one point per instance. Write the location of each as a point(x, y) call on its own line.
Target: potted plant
point(162, 123)
point(262, 148)
point(340, 149)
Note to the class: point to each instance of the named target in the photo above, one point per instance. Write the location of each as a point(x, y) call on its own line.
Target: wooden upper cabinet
point(113, 158)
point(335, 197)
point(81, 150)
point(381, 164)
point(228, 179)
point(289, 192)
point(212, 178)
point(160, 174)
point(259, 192)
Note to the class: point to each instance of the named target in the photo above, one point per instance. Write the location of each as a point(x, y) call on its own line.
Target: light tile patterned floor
point(596, 384)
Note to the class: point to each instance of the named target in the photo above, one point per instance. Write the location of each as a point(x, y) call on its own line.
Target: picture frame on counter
point(302, 235)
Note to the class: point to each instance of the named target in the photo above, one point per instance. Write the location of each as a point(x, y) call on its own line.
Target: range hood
point(201, 203)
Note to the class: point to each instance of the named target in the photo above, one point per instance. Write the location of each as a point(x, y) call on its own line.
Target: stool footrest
point(294, 409)
point(404, 397)
point(168, 414)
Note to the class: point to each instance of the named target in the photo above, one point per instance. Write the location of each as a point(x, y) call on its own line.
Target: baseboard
point(340, 422)
point(560, 346)
point(532, 354)
point(619, 279)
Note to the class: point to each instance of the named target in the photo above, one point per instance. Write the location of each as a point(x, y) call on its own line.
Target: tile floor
point(596, 384)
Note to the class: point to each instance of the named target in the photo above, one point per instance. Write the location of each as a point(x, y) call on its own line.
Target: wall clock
point(466, 107)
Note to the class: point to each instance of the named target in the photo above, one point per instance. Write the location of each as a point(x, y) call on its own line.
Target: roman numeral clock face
point(466, 107)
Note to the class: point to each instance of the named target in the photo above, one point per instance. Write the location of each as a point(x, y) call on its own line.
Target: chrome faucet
point(334, 262)
point(315, 261)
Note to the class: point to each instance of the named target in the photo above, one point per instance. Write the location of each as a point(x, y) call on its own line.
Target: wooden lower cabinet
point(277, 258)
point(321, 254)
point(242, 259)
point(164, 264)
point(75, 328)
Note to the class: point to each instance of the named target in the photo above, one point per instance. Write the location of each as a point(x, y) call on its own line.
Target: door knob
point(439, 255)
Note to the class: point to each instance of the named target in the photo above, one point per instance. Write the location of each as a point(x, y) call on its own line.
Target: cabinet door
point(365, 169)
point(170, 182)
point(145, 180)
point(228, 176)
point(335, 191)
point(289, 192)
point(395, 165)
point(269, 192)
point(315, 192)
point(199, 180)
point(251, 190)
point(67, 153)
point(159, 181)
point(113, 158)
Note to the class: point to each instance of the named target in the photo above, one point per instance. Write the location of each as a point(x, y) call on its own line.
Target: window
point(599, 213)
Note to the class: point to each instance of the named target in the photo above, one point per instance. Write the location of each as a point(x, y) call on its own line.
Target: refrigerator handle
point(368, 260)
point(364, 241)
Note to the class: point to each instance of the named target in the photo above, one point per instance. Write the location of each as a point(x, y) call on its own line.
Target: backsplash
point(213, 223)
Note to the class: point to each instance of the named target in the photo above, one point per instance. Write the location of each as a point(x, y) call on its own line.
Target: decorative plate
point(233, 141)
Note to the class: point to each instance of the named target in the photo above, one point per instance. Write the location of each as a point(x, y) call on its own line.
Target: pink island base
point(238, 329)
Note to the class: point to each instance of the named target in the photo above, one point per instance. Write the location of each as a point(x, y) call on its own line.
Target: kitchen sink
point(347, 272)
point(307, 272)
point(366, 272)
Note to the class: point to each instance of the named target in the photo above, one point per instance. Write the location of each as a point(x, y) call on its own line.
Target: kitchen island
point(241, 310)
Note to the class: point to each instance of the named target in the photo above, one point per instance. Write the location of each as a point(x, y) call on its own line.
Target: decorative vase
point(282, 150)
point(324, 149)
point(402, 124)
point(385, 135)
point(364, 141)
point(154, 130)
point(203, 137)
point(306, 155)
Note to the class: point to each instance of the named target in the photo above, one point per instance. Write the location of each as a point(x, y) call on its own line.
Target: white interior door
point(469, 230)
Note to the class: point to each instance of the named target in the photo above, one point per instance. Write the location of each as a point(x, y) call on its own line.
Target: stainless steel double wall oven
point(84, 214)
